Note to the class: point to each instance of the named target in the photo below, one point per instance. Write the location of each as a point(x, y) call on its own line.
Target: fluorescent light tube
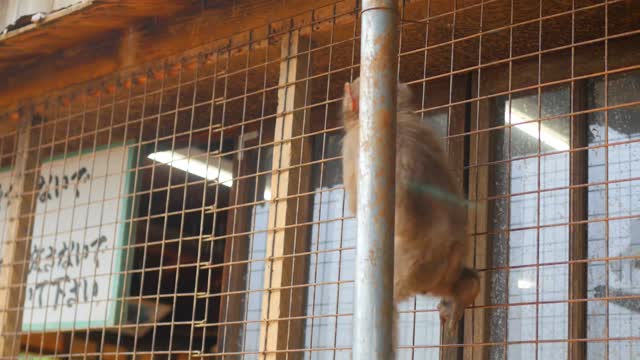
point(546, 135)
point(178, 159)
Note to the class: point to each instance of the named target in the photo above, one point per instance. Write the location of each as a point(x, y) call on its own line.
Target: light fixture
point(267, 193)
point(545, 134)
point(183, 159)
point(526, 284)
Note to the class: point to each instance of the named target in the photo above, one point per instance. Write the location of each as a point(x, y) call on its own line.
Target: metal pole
point(373, 316)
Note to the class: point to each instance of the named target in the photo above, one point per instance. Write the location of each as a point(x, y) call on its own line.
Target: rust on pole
point(373, 316)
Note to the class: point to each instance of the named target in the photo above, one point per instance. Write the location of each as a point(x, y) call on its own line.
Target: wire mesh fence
point(194, 207)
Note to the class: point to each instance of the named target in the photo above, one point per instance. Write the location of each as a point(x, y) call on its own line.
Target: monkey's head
point(351, 100)
point(350, 103)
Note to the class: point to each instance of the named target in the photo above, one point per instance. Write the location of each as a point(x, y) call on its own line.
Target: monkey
point(430, 240)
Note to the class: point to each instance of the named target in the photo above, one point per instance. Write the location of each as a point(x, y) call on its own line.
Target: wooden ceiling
point(89, 44)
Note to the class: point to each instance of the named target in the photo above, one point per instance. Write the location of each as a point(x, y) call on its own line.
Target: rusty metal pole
point(373, 315)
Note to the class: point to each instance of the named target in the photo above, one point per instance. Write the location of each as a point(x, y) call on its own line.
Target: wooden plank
point(81, 346)
point(160, 39)
point(578, 232)
point(113, 352)
point(479, 153)
point(456, 150)
point(283, 239)
point(16, 245)
point(234, 279)
point(44, 343)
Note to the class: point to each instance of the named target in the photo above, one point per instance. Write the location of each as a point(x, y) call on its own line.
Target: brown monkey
point(430, 223)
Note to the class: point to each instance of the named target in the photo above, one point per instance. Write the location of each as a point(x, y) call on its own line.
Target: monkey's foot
point(450, 313)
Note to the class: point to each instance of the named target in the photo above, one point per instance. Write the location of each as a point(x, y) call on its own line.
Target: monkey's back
point(430, 233)
point(431, 240)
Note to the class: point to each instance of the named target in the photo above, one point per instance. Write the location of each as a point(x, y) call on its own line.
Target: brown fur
point(430, 234)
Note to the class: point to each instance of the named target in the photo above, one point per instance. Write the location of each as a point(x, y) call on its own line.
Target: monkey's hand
point(450, 313)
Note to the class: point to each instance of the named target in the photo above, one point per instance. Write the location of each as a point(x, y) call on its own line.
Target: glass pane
point(258, 217)
point(614, 196)
point(531, 230)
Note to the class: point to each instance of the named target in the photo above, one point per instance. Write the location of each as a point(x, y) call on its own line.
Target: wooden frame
point(236, 250)
point(282, 300)
point(15, 249)
point(481, 185)
point(458, 117)
point(578, 232)
point(478, 192)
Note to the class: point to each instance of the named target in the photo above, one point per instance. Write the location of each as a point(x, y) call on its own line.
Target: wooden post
point(578, 232)
point(479, 153)
point(234, 280)
point(457, 151)
point(15, 248)
point(282, 271)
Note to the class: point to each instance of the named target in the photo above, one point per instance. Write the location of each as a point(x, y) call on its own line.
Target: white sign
point(77, 255)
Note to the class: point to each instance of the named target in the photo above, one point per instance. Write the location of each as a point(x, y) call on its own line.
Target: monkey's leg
point(464, 292)
point(450, 312)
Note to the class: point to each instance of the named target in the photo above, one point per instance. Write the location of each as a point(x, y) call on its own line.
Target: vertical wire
point(86, 222)
point(606, 174)
point(241, 155)
point(183, 210)
point(414, 301)
point(571, 295)
point(126, 248)
point(320, 184)
point(56, 233)
point(509, 174)
point(449, 112)
point(38, 172)
point(210, 129)
point(203, 211)
point(132, 239)
point(67, 159)
point(538, 185)
point(250, 252)
point(355, 42)
point(235, 210)
point(165, 216)
point(73, 206)
point(27, 257)
point(147, 216)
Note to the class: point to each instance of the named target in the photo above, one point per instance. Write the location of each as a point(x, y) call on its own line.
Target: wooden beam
point(81, 346)
point(16, 245)
point(479, 153)
point(44, 343)
point(113, 352)
point(215, 28)
point(234, 277)
point(578, 231)
point(284, 239)
point(457, 119)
